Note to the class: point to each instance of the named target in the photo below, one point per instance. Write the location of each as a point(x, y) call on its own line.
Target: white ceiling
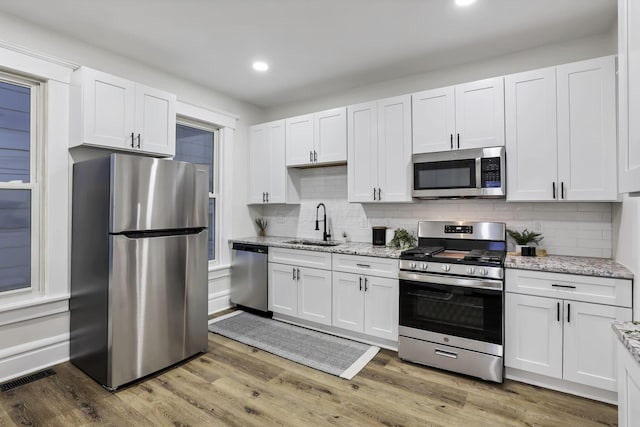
point(314, 47)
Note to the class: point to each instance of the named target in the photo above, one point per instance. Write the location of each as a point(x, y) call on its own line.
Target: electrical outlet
point(364, 222)
point(282, 219)
point(537, 226)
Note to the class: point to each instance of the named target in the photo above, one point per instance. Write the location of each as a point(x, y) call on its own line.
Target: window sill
point(219, 267)
point(31, 302)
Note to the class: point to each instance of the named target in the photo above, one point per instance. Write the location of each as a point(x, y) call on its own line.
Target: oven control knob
point(412, 265)
point(423, 266)
point(446, 267)
point(482, 271)
point(471, 270)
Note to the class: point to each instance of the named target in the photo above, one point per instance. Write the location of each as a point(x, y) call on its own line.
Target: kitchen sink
point(311, 242)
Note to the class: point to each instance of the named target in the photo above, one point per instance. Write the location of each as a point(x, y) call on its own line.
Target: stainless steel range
point(452, 300)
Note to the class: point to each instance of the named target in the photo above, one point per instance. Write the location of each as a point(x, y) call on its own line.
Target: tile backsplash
point(583, 229)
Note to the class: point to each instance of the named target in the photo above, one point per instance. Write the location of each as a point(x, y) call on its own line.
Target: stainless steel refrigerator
point(138, 266)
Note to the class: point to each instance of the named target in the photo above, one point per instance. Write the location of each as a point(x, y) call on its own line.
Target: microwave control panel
point(490, 173)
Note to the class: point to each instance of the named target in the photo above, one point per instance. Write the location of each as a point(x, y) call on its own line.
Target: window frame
point(35, 185)
point(210, 127)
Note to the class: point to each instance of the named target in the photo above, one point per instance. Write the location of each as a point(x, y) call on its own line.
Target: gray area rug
point(327, 353)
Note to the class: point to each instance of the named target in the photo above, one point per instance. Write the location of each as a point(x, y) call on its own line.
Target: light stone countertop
point(629, 334)
point(586, 266)
point(350, 248)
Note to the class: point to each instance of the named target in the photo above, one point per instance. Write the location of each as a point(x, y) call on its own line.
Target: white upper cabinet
point(379, 146)
point(469, 115)
point(629, 94)
point(434, 122)
point(269, 180)
point(561, 135)
point(587, 130)
point(318, 138)
point(111, 112)
point(480, 114)
point(532, 142)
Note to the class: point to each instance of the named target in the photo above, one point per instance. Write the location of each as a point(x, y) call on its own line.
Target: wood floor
point(236, 385)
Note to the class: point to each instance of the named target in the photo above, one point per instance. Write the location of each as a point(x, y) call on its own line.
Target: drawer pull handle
point(446, 354)
point(363, 265)
point(562, 286)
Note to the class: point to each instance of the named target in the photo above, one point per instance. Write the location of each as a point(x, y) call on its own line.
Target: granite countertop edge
point(341, 247)
point(629, 335)
point(585, 266)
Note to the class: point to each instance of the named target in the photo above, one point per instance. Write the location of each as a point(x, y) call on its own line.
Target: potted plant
point(262, 226)
point(525, 239)
point(403, 239)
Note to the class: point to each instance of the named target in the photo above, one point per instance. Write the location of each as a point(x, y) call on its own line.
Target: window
point(19, 189)
point(197, 143)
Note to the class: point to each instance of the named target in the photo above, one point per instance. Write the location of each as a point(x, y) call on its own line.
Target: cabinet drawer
point(601, 290)
point(301, 258)
point(382, 267)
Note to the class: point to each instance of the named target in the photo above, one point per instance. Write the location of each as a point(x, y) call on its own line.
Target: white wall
point(582, 229)
point(584, 48)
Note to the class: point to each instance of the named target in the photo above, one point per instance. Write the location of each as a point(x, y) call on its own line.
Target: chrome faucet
point(325, 235)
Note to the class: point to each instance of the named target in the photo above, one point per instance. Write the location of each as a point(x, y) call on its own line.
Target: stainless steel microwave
point(477, 172)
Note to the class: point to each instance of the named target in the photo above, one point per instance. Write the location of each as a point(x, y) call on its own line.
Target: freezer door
point(158, 303)
point(157, 194)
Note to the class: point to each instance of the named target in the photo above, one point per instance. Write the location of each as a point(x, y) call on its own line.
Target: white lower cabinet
point(366, 304)
point(563, 337)
point(300, 284)
point(628, 388)
point(301, 292)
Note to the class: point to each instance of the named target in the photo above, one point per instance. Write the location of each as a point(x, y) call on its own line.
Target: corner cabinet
point(379, 151)
point(300, 284)
point(317, 139)
point(269, 180)
point(561, 133)
point(559, 325)
point(469, 115)
point(115, 113)
point(629, 95)
point(628, 388)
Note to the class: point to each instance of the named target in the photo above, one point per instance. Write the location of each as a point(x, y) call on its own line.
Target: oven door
point(471, 309)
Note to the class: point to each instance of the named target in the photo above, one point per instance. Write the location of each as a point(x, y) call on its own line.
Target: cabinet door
point(348, 301)
point(108, 110)
point(590, 345)
point(394, 149)
point(362, 167)
point(314, 295)
point(433, 120)
point(629, 94)
point(480, 114)
point(275, 159)
point(330, 142)
point(283, 289)
point(381, 307)
point(299, 135)
point(628, 387)
point(258, 168)
point(533, 334)
point(587, 130)
point(155, 121)
point(532, 151)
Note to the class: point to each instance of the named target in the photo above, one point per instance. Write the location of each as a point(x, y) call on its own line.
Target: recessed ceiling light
point(260, 66)
point(465, 2)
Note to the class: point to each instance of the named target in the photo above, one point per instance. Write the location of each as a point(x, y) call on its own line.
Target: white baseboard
point(219, 302)
point(40, 355)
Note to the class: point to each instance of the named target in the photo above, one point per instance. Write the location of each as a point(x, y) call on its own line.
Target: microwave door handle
point(478, 172)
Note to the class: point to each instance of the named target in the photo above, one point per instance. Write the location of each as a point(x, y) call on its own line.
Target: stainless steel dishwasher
point(249, 277)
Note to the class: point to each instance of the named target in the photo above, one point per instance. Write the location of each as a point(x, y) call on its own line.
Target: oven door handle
point(495, 285)
point(448, 296)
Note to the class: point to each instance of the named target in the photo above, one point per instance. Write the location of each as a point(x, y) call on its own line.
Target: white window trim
point(225, 123)
point(35, 186)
